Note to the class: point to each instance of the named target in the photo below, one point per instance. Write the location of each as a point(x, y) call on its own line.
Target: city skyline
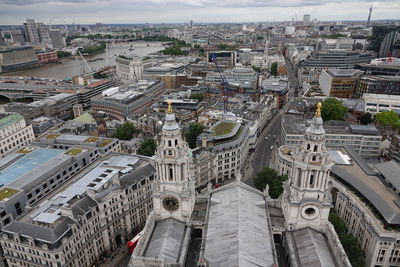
point(203, 11)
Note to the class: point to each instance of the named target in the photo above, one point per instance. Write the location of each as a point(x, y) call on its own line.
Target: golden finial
point(169, 110)
point(318, 111)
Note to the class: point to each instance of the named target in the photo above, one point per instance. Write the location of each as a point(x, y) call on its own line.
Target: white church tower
point(306, 199)
point(174, 193)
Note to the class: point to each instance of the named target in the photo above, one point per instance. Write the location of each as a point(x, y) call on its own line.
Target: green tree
point(202, 52)
point(195, 129)
point(61, 54)
point(388, 119)
point(223, 46)
point(256, 69)
point(274, 69)
point(350, 244)
point(147, 147)
point(366, 118)
point(333, 109)
point(275, 182)
point(198, 96)
point(125, 131)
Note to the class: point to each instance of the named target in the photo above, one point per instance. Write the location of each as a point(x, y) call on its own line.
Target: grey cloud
point(193, 3)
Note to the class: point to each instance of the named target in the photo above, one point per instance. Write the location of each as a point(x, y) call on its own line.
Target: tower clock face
point(170, 203)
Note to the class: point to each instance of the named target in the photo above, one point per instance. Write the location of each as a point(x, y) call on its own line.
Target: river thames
point(72, 67)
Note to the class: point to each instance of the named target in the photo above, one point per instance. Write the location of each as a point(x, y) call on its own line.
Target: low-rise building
point(229, 142)
point(364, 139)
point(14, 133)
point(47, 57)
point(131, 68)
point(277, 87)
point(338, 82)
point(119, 102)
point(31, 173)
point(18, 58)
point(368, 205)
point(375, 103)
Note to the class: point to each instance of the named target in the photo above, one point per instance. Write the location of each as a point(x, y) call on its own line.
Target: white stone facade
point(119, 214)
point(174, 166)
point(14, 134)
point(375, 103)
point(306, 200)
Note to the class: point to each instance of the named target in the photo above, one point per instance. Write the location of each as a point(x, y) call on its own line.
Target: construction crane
point(84, 60)
point(225, 90)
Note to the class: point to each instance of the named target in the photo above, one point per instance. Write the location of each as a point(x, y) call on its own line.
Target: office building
point(86, 220)
point(57, 40)
point(46, 57)
point(44, 35)
point(364, 139)
point(119, 102)
point(31, 31)
point(340, 43)
point(229, 143)
point(386, 48)
point(381, 66)
point(378, 34)
point(368, 206)
point(375, 103)
point(377, 84)
point(131, 69)
point(278, 87)
point(306, 20)
point(338, 82)
point(226, 58)
point(14, 133)
point(18, 58)
point(310, 68)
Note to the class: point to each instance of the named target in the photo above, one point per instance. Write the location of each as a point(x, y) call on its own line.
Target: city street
point(262, 156)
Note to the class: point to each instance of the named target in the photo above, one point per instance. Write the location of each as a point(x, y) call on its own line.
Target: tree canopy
point(388, 119)
point(350, 244)
point(195, 129)
point(275, 182)
point(333, 109)
point(366, 118)
point(125, 131)
point(198, 96)
point(274, 69)
point(147, 147)
point(256, 69)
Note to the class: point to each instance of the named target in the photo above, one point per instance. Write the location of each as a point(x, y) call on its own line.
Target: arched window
point(176, 142)
point(315, 148)
point(308, 146)
point(169, 143)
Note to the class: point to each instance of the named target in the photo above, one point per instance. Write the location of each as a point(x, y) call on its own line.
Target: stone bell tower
point(174, 194)
point(306, 198)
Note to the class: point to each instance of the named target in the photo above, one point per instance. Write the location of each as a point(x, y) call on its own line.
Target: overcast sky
point(159, 11)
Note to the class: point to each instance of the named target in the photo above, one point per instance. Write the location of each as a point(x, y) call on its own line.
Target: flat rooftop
point(225, 129)
point(20, 164)
point(391, 98)
point(364, 180)
point(97, 179)
point(295, 124)
point(344, 73)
